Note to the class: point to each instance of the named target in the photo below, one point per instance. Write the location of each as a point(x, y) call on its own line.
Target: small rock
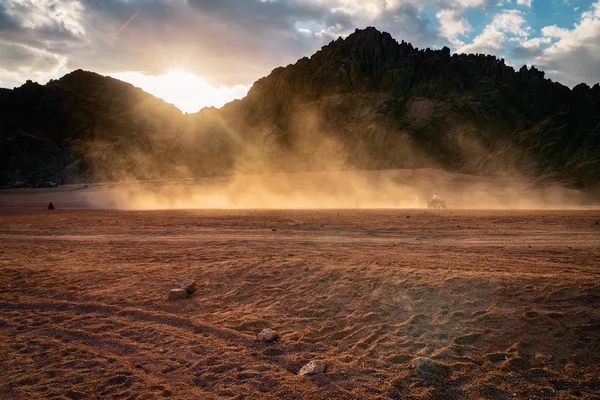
point(312, 368)
point(51, 184)
point(597, 223)
point(178, 294)
point(189, 285)
point(408, 216)
point(268, 335)
point(274, 230)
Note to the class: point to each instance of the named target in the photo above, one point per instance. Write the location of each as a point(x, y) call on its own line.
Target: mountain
point(375, 103)
point(364, 102)
point(87, 127)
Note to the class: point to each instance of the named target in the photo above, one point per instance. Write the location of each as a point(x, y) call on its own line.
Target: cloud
point(554, 31)
point(529, 48)
point(234, 42)
point(17, 60)
point(452, 25)
point(228, 42)
point(575, 57)
point(493, 38)
point(526, 3)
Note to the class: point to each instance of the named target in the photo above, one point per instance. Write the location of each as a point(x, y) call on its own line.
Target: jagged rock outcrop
point(365, 102)
point(376, 103)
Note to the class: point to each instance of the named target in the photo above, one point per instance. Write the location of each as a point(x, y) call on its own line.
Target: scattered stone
point(268, 335)
point(178, 294)
point(408, 216)
point(189, 285)
point(274, 230)
point(312, 368)
point(597, 223)
point(430, 370)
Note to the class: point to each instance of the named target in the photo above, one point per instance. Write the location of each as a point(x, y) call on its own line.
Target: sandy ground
point(506, 304)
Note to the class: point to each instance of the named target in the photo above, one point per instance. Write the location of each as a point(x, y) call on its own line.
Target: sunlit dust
point(186, 91)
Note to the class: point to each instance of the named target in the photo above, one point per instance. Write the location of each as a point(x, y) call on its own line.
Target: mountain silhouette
point(363, 102)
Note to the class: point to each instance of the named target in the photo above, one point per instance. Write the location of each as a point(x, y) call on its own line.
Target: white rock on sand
point(178, 294)
point(268, 335)
point(312, 368)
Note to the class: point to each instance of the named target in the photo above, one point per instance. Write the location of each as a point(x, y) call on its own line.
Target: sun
point(186, 91)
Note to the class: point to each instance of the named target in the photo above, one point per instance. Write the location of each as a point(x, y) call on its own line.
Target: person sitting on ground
point(50, 206)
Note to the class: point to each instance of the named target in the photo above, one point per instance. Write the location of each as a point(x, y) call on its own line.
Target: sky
point(198, 53)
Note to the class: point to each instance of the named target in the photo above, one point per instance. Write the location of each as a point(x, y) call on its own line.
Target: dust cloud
point(257, 168)
point(336, 190)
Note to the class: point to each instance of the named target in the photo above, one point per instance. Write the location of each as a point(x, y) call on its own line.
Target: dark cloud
point(227, 41)
point(408, 25)
point(525, 53)
point(7, 23)
point(15, 30)
point(15, 56)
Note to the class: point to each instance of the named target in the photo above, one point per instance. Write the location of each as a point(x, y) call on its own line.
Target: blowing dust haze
point(334, 190)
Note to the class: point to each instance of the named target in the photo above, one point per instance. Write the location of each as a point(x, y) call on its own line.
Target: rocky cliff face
point(364, 102)
point(375, 103)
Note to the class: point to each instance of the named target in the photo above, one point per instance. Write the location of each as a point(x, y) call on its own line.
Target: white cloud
point(526, 3)
point(452, 25)
point(470, 3)
point(493, 38)
point(575, 57)
point(535, 42)
point(452, 22)
point(554, 31)
point(529, 48)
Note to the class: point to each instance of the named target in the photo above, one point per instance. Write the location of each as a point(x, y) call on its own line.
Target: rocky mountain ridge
point(363, 102)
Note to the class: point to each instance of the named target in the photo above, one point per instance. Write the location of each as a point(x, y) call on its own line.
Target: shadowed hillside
point(381, 104)
point(364, 102)
point(87, 127)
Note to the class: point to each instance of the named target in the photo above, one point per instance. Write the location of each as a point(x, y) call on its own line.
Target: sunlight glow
point(186, 91)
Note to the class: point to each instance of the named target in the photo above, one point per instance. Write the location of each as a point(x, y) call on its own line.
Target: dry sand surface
point(400, 304)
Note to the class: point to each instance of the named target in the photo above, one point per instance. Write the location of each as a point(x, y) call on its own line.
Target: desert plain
point(400, 303)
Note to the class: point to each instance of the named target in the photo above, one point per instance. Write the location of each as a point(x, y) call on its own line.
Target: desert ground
point(398, 303)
